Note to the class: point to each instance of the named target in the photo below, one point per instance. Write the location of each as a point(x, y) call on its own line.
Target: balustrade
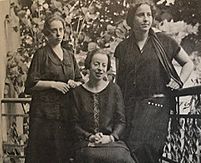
point(183, 140)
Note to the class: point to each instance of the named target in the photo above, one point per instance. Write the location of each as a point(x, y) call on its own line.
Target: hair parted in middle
point(90, 55)
point(133, 8)
point(50, 18)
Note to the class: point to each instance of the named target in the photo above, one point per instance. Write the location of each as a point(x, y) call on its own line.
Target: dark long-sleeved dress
point(100, 112)
point(143, 80)
point(50, 129)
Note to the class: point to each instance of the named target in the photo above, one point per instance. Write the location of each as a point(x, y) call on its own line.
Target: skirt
point(116, 152)
point(49, 141)
point(148, 128)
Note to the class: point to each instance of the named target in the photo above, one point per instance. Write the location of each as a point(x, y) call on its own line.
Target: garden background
point(90, 24)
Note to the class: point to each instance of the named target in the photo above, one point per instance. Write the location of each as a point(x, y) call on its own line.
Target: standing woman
point(146, 77)
point(99, 118)
point(52, 74)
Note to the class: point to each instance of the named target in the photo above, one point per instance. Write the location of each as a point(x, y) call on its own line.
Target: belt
point(159, 95)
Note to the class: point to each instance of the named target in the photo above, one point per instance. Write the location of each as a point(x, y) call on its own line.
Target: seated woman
point(98, 115)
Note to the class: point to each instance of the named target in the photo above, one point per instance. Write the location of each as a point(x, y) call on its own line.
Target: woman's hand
point(99, 138)
point(173, 85)
point(60, 86)
point(105, 139)
point(73, 83)
point(93, 138)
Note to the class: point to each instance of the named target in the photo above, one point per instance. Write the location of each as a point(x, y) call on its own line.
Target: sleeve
point(120, 65)
point(80, 133)
point(117, 55)
point(117, 52)
point(78, 76)
point(34, 72)
point(174, 46)
point(119, 117)
point(171, 45)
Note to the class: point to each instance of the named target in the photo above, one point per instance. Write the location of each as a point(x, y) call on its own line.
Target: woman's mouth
point(145, 25)
point(59, 39)
point(99, 74)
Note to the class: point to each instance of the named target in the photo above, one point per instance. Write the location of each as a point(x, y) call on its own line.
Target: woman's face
point(98, 66)
point(56, 32)
point(143, 18)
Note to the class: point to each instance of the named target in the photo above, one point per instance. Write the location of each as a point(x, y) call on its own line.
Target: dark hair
point(90, 55)
point(133, 8)
point(51, 18)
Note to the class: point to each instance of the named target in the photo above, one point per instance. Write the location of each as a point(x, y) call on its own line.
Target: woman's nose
point(145, 18)
point(100, 67)
point(58, 33)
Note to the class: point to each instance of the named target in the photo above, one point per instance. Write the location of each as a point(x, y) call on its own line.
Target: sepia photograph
point(100, 81)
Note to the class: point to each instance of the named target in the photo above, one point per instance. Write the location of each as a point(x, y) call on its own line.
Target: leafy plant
point(89, 24)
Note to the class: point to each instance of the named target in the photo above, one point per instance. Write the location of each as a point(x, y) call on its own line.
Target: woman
point(52, 74)
point(98, 116)
point(146, 77)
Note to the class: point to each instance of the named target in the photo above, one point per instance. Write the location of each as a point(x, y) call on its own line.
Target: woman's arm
point(34, 76)
point(187, 67)
point(119, 115)
point(76, 118)
point(60, 86)
point(117, 68)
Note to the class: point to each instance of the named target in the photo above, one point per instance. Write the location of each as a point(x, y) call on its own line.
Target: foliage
point(178, 30)
point(90, 24)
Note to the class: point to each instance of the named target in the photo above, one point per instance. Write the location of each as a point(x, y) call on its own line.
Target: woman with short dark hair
point(147, 77)
point(52, 75)
point(98, 115)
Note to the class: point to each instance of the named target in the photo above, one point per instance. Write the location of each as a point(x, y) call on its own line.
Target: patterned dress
point(50, 129)
point(100, 112)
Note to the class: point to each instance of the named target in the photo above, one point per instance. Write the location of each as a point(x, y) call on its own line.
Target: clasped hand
point(99, 138)
point(64, 87)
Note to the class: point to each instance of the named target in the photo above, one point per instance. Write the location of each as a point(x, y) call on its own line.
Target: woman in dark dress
point(98, 117)
point(52, 74)
point(146, 77)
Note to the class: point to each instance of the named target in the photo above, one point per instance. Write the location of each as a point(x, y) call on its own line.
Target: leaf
point(68, 19)
point(107, 37)
point(92, 46)
point(56, 4)
point(40, 2)
point(37, 20)
point(110, 29)
point(84, 10)
point(46, 6)
point(119, 33)
point(34, 7)
point(21, 14)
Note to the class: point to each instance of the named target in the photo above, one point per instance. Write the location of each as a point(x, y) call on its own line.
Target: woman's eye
point(53, 30)
point(149, 14)
point(104, 65)
point(140, 14)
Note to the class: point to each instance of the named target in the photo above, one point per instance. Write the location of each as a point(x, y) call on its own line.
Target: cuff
point(116, 137)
